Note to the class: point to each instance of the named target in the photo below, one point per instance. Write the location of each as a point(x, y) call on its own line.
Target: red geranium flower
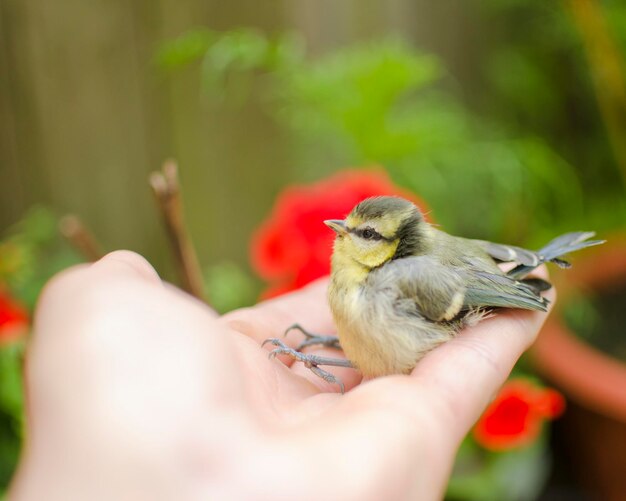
point(515, 417)
point(292, 247)
point(13, 318)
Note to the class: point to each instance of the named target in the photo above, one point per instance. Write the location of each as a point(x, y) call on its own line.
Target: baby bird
point(400, 287)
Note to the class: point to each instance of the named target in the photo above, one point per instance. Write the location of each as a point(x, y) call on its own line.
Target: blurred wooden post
point(166, 189)
point(79, 236)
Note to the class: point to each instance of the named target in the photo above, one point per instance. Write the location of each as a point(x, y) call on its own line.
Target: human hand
point(137, 391)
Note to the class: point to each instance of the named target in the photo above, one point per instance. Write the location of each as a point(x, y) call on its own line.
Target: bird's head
point(377, 230)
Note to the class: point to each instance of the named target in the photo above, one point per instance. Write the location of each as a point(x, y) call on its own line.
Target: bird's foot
point(311, 362)
point(314, 339)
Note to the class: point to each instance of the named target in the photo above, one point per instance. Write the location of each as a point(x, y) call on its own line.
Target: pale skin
point(137, 391)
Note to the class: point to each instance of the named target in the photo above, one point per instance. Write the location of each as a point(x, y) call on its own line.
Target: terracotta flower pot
point(594, 426)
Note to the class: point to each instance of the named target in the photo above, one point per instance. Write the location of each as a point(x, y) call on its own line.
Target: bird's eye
point(369, 234)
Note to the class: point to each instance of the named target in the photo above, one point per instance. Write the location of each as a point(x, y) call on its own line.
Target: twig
point(79, 236)
point(166, 189)
point(607, 71)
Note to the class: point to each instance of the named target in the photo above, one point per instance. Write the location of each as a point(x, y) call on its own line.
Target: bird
point(399, 287)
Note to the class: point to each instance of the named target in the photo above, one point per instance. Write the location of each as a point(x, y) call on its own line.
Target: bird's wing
point(485, 289)
point(440, 292)
point(436, 290)
point(510, 253)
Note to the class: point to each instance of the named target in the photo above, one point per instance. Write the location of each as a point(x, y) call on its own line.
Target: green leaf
point(229, 287)
point(187, 48)
point(11, 390)
point(361, 94)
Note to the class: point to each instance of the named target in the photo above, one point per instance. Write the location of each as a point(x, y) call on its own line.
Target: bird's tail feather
point(556, 248)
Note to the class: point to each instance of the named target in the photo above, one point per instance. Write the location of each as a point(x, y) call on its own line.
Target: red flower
point(13, 318)
point(292, 247)
point(515, 417)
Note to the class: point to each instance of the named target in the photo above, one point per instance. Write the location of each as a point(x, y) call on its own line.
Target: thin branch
point(166, 189)
point(79, 236)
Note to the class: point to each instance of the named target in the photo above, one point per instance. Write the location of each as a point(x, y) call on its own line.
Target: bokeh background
point(88, 111)
point(507, 117)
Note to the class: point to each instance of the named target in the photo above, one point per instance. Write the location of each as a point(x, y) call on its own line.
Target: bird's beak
point(337, 225)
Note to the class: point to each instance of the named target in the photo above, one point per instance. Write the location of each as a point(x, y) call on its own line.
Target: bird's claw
point(328, 341)
point(328, 377)
point(313, 339)
point(283, 349)
point(296, 327)
point(310, 361)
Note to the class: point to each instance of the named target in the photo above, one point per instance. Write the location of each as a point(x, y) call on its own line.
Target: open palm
point(137, 391)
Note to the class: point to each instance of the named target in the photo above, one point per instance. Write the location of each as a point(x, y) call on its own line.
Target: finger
point(463, 375)
point(116, 267)
point(119, 363)
point(441, 400)
point(349, 377)
point(89, 312)
point(307, 307)
point(129, 266)
point(123, 262)
point(110, 336)
point(374, 454)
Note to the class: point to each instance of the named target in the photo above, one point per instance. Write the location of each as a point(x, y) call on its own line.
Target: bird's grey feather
point(538, 285)
point(510, 253)
point(490, 289)
point(561, 245)
point(425, 281)
point(435, 287)
point(382, 328)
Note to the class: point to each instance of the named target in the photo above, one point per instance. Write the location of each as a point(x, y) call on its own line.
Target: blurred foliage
point(31, 252)
point(185, 50)
point(228, 58)
point(539, 79)
point(11, 409)
point(598, 318)
point(581, 314)
point(230, 287)
point(384, 103)
point(362, 98)
point(518, 471)
point(508, 171)
point(11, 398)
point(515, 475)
